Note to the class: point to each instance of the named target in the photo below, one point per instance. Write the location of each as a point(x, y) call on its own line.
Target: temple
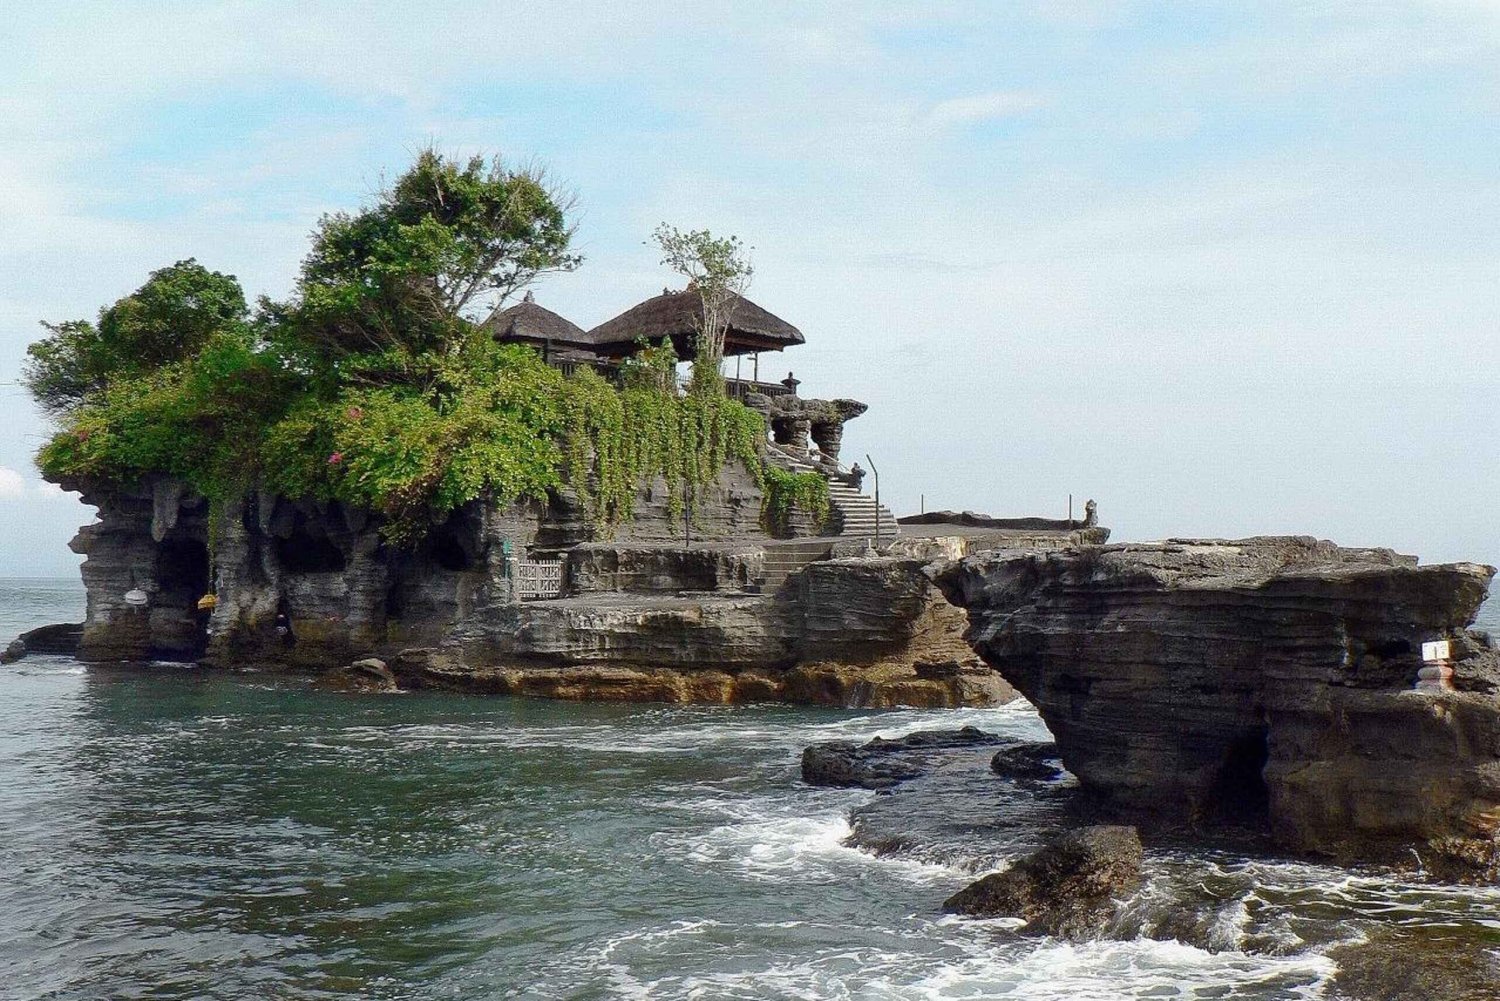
point(806, 434)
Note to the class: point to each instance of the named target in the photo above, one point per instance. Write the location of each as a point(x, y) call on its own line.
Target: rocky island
point(364, 483)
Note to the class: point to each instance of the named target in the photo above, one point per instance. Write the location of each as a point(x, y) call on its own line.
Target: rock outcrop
point(61, 639)
point(1069, 888)
point(368, 675)
point(882, 763)
point(1265, 682)
point(308, 586)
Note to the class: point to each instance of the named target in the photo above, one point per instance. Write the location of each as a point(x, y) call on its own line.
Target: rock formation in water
point(882, 763)
point(645, 614)
point(61, 639)
point(1265, 682)
point(1067, 888)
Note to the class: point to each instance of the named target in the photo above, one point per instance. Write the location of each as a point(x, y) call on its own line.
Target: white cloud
point(11, 483)
point(985, 107)
point(51, 491)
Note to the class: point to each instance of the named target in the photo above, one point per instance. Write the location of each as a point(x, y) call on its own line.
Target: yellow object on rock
point(207, 603)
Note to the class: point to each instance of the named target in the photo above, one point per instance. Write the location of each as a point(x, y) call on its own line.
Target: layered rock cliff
point(644, 614)
point(1264, 682)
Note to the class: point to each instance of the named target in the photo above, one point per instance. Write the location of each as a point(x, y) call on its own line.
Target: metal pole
point(876, 473)
point(1070, 510)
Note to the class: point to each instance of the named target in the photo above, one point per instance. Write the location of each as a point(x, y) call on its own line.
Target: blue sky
point(1229, 269)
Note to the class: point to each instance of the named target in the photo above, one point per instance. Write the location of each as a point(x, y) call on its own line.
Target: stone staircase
point(859, 516)
point(854, 513)
point(786, 558)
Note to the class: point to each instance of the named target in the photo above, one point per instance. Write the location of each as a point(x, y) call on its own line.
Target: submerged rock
point(1068, 888)
point(1263, 684)
point(883, 763)
point(368, 675)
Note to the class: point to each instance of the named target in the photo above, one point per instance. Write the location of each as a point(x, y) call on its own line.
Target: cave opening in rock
point(304, 552)
point(449, 552)
point(1391, 648)
point(1240, 795)
point(182, 575)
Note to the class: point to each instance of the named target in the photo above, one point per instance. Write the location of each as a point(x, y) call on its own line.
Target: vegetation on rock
point(718, 269)
point(786, 490)
point(372, 385)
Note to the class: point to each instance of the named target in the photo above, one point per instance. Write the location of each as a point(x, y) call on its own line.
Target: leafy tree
point(399, 277)
point(171, 317)
point(719, 270)
point(372, 388)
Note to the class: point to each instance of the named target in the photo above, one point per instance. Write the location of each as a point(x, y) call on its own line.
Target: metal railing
point(738, 389)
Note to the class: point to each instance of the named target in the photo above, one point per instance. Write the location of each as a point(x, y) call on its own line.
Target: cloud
point(985, 107)
point(12, 484)
point(51, 491)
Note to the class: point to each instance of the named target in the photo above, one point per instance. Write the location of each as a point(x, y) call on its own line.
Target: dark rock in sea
point(1032, 762)
point(883, 763)
point(1068, 888)
point(1405, 964)
point(368, 675)
point(61, 639)
point(1265, 684)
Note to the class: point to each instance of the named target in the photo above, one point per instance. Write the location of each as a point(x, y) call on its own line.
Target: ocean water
point(174, 833)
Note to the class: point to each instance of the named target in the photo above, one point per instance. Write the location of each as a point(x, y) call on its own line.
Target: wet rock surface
point(58, 640)
point(881, 763)
point(1410, 964)
point(1069, 888)
point(368, 675)
point(1255, 682)
point(1029, 762)
point(309, 586)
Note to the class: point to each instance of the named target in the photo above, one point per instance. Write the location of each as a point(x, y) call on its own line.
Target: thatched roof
point(676, 315)
point(532, 324)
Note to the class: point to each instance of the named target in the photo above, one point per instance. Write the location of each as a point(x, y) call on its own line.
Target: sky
point(1229, 269)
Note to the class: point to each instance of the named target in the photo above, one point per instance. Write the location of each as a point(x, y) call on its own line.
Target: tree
point(445, 237)
point(719, 270)
point(171, 317)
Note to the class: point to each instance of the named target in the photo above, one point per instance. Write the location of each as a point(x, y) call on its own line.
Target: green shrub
point(784, 491)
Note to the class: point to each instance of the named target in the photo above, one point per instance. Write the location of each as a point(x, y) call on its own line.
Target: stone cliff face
point(307, 586)
point(1266, 682)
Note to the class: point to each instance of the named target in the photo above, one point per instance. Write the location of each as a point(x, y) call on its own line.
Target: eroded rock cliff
point(644, 615)
point(1265, 682)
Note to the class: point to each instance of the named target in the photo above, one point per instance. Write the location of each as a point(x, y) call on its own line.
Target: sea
point(170, 832)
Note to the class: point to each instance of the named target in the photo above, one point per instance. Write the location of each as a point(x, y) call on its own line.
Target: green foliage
point(719, 270)
point(620, 439)
point(170, 318)
point(653, 366)
point(370, 387)
point(197, 419)
point(397, 275)
point(489, 427)
point(785, 490)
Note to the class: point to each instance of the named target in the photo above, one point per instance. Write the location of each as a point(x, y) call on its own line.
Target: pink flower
point(354, 413)
point(336, 458)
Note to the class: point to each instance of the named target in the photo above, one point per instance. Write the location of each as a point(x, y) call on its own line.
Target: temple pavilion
point(673, 316)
